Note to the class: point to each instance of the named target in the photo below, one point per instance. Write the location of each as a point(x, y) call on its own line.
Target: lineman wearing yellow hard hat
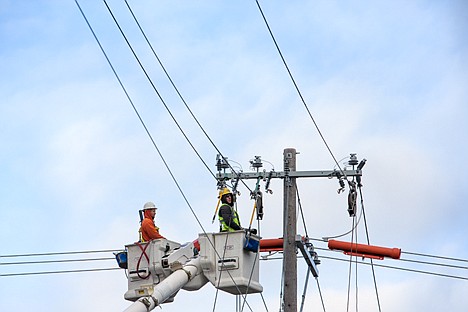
point(228, 217)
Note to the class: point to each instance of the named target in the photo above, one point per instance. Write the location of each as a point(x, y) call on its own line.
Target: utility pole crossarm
point(291, 174)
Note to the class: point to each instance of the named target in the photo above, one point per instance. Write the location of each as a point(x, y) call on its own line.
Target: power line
point(302, 212)
point(298, 90)
point(146, 129)
point(433, 256)
point(139, 117)
point(384, 266)
point(58, 272)
point(59, 253)
point(154, 87)
point(368, 242)
point(172, 83)
point(403, 252)
point(404, 269)
point(168, 110)
point(55, 261)
point(180, 96)
point(434, 263)
point(270, 258)
point(320, 293)
point(451, 266)
point(446, 265)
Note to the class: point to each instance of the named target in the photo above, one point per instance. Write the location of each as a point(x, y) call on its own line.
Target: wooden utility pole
point(289, 233)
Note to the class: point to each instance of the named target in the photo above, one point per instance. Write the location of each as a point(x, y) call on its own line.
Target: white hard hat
point(149, 205)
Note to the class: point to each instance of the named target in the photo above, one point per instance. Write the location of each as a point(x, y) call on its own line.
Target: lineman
point(228, 217)
point(148, 230)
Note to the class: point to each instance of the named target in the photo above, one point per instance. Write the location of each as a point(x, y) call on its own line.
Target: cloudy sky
point(385, 80)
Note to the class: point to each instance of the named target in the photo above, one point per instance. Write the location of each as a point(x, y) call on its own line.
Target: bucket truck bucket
point(147, 266)
point(227, 264)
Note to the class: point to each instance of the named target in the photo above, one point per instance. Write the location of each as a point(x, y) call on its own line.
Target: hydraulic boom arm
point(164, 290)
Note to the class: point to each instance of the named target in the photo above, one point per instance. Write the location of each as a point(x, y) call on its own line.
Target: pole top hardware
point(221, 162)
point(256, 163)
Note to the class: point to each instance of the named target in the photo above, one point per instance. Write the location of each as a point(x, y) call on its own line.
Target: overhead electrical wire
point(308, 271)
point(302, 212)
point(326, 144)
point(310, 238)
point(320, 293)
point(139, 117)
point(160, 154)
point(162, 100)
point(279, 258)
point(58, 272)
point(407, 253)
point(180, 96)
point(300, 95)
point(55, 261)
point(298, 90)
point(433, 263)
point(350, 268)
point(58, 253)
point(60, 260)
point(433, 256)
point(154, 87)
point(446, 265)
point(383, 266)
point(159, 95)
point(449, 266)
point(404, 269)
point(184, 102)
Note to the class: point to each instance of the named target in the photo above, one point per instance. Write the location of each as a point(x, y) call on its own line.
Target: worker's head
point(226, 196)
point(149, 210)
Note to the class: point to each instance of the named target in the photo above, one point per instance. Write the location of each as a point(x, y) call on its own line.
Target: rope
point(143, 252)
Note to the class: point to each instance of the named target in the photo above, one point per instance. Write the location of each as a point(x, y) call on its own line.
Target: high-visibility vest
point(235, 218)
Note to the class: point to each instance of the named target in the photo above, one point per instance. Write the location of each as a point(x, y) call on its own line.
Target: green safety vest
point(235, 218)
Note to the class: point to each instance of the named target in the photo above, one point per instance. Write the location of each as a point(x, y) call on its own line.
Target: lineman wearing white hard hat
point(148, 230)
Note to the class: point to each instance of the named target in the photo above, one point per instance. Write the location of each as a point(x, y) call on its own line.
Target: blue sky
point(384, 80)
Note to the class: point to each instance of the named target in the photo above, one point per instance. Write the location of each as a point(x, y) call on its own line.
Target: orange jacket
point(148, 230)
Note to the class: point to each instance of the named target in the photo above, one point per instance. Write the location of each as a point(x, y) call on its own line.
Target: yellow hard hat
point(224, 191)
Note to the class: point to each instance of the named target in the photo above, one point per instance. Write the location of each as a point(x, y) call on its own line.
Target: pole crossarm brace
point(308, 257)
point(291, 174)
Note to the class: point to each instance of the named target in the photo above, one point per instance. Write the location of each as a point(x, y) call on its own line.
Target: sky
point(384, 80)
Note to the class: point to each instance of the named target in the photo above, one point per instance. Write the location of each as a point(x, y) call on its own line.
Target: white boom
point(168, 287)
